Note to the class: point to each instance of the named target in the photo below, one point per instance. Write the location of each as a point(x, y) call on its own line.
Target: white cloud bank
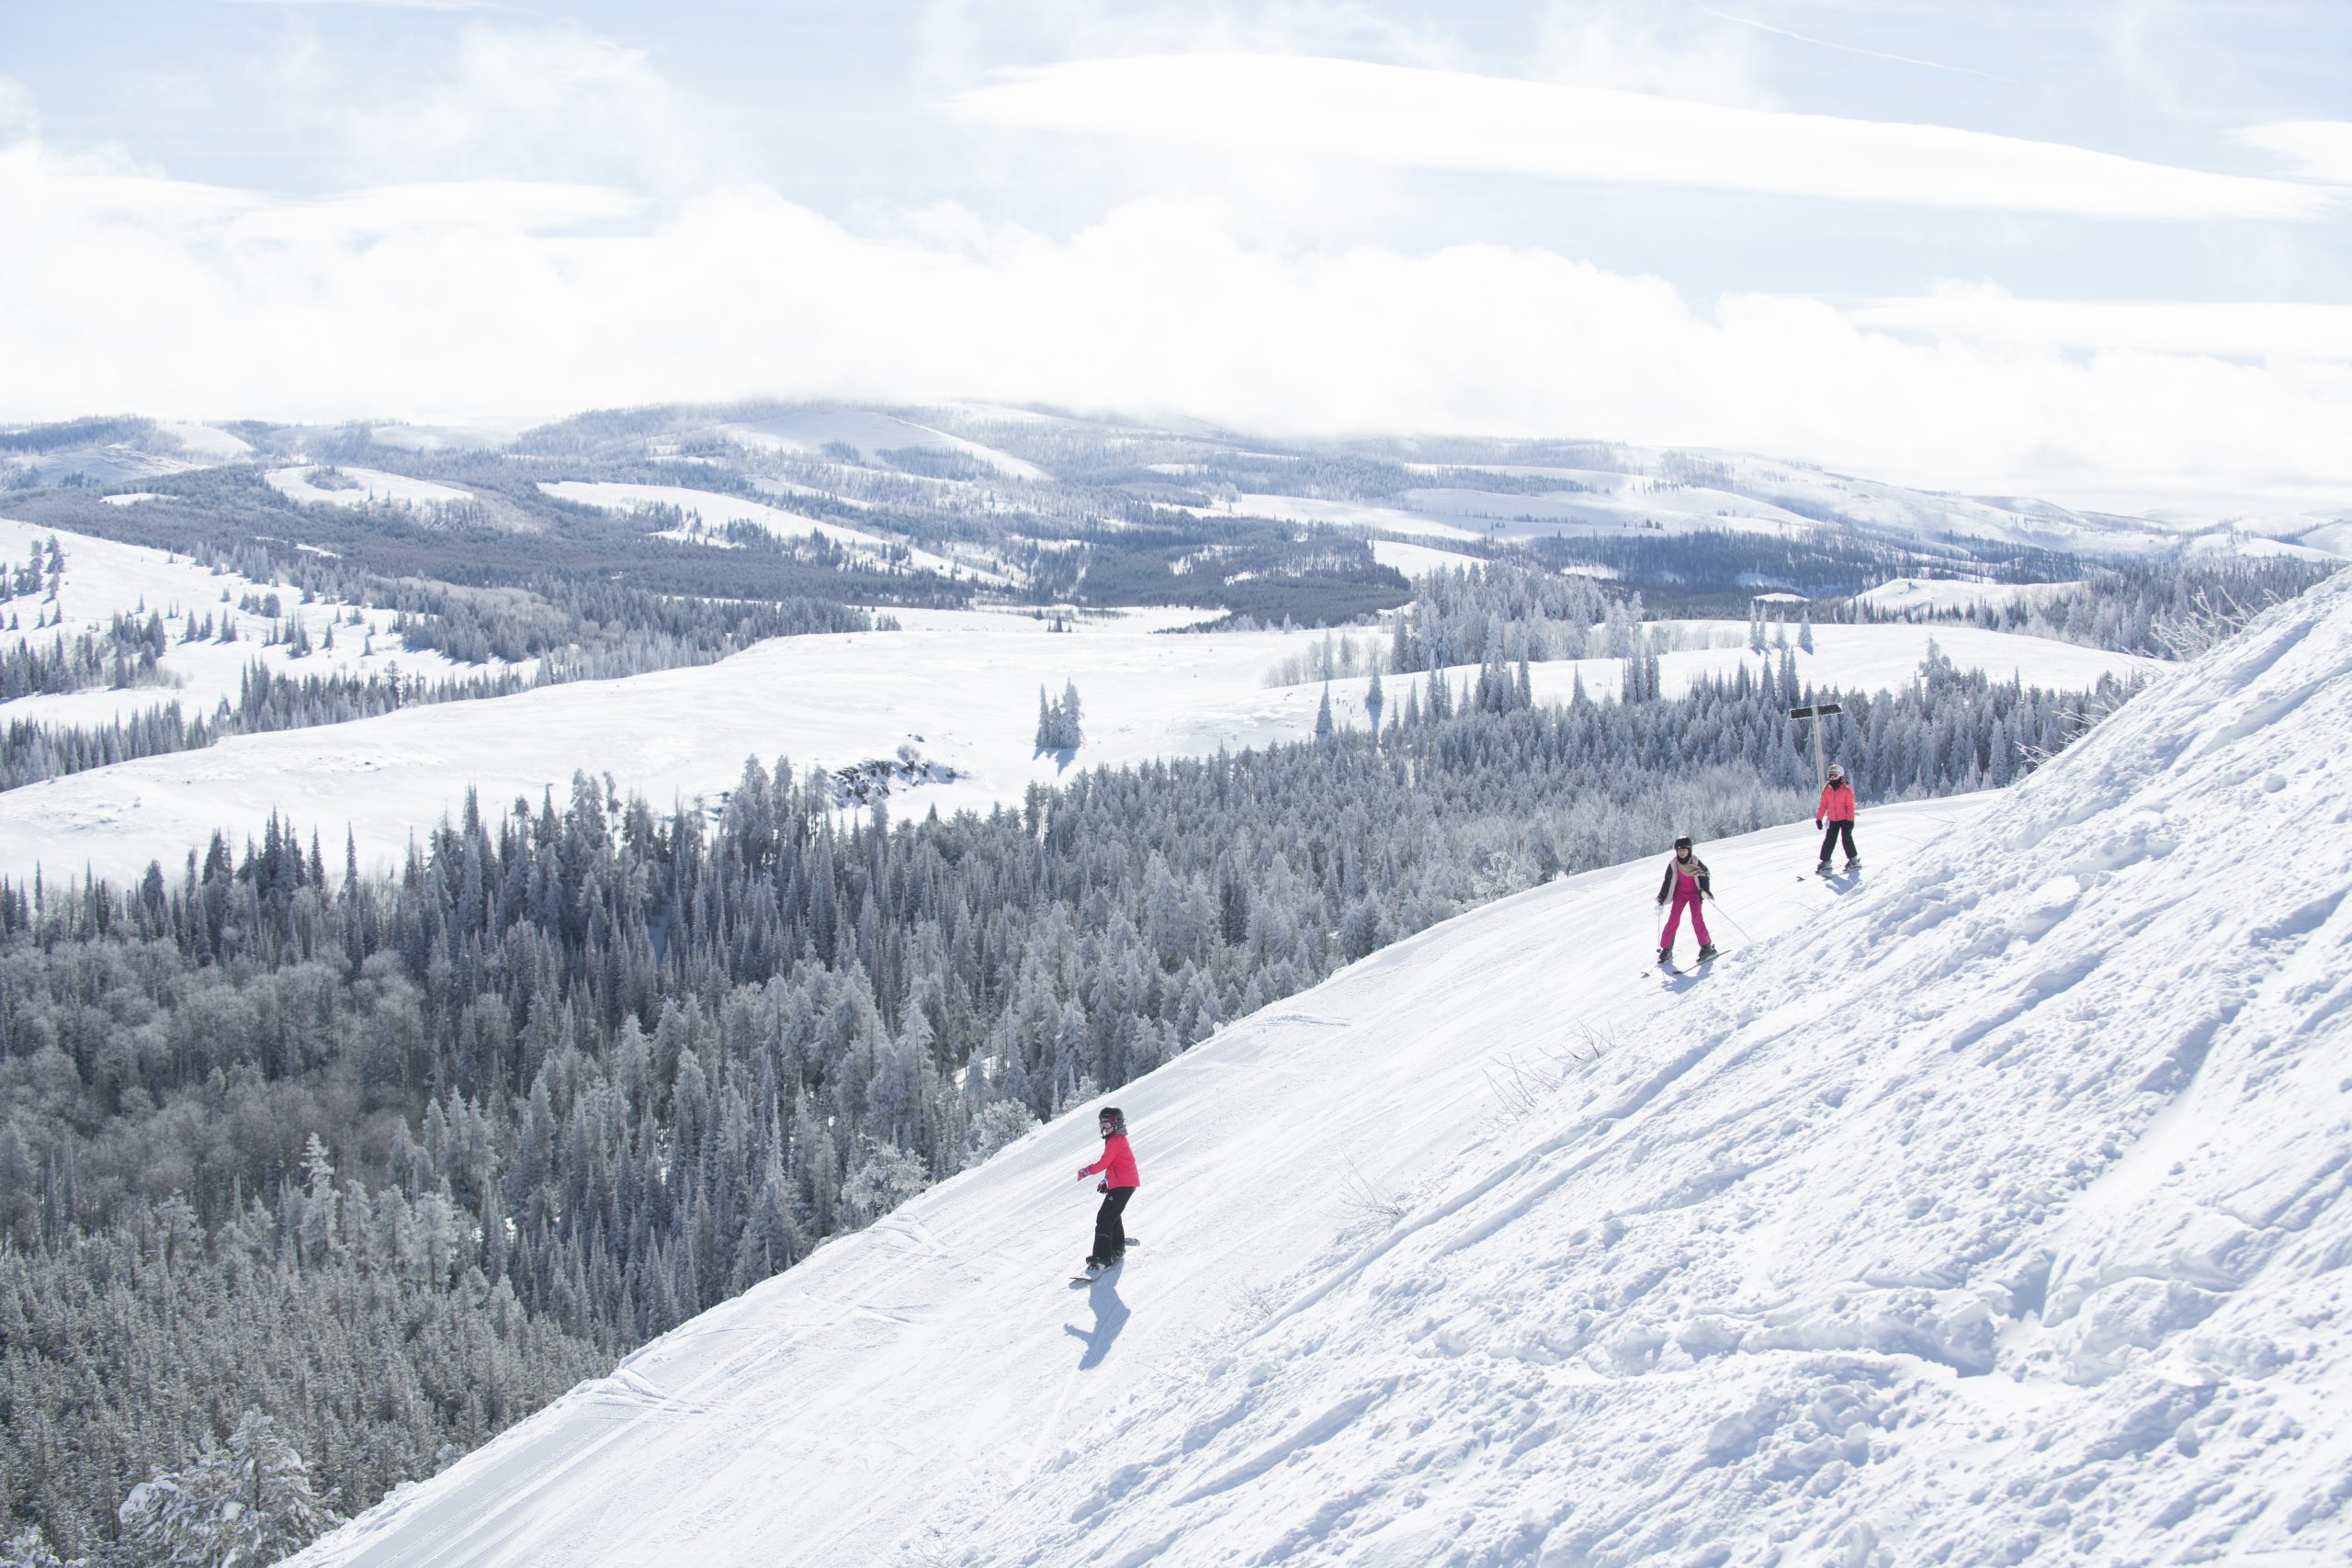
point(1412, 118)
point(2320, 149)
point(131, 290)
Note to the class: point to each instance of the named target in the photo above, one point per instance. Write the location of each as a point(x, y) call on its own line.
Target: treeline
point(519, 536)
point(1500, 612)
point(1714, 573)
point(125, 654)
point(31, 750)
point(2160, 610)
point(580, 1071)
point(592, 631)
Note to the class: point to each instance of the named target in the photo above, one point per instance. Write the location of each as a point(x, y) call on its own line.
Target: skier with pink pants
point(1685, 884)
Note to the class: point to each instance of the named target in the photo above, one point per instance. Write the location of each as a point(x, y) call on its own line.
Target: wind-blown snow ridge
point(1992, 1211)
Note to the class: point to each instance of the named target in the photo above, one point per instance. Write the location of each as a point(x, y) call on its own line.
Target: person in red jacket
point(1837, 809)
point(1117, 1169)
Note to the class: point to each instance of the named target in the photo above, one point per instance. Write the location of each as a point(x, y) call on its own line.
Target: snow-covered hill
point(1992, 1210)
point(958, 686)
point(103, 579)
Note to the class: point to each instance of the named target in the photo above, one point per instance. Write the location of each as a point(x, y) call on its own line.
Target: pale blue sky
point(1723, 182)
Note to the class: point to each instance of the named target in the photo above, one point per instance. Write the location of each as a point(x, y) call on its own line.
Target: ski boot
point(1821, 870)
point(1706, 953)
point(1666, 956)
point(1853, 866)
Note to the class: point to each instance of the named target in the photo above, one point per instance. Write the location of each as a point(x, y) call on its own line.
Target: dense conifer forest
point(394, 1161)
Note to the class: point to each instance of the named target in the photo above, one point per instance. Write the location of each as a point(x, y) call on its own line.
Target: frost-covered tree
point(1058, 725)
point(246, 1507)
point(29, 1548)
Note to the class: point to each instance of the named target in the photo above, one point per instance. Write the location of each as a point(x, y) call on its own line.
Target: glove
point(1102, 1185)
point(1816, 824)
point(1083, 1173)
point(1661, 903)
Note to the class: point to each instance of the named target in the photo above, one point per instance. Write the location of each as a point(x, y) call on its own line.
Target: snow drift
point(1992, 1211)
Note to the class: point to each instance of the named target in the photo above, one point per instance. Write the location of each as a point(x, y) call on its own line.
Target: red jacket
point(1837, 802)
point(1118, 1160)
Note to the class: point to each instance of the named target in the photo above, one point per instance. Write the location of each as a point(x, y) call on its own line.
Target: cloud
point(1853, 49)
point(1640, 48)
point(531, 104)
point(18, 117)
point(2321, 149)
point(2244, 331)
point(451, 299)
point(375, 5)
point(1252, 106)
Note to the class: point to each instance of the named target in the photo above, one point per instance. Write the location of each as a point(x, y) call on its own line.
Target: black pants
point(1829, 839)
point(1109, 1233)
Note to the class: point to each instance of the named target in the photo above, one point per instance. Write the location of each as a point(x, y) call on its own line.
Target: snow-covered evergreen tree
point(246, 1507)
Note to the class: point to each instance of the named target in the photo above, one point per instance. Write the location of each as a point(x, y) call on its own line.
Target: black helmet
point(1684, 843)
point(1113, 1122)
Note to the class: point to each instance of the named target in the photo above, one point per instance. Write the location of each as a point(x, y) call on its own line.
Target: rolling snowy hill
point(1991, 1210)
point(958, 686)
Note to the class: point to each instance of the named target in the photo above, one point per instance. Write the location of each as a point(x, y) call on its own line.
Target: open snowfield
point(1992, 1208)
point(368, 487)
point(965, 681)
point(103, 579)
point(1420, 560)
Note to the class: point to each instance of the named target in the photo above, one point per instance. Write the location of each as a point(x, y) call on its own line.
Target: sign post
point(1816, 713)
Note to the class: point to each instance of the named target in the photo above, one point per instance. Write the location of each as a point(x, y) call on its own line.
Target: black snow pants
point(1829, 840)
point(1110, 1232)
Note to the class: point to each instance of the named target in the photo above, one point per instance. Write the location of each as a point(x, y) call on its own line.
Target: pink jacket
point(1837, 802)
point(1118, 1161)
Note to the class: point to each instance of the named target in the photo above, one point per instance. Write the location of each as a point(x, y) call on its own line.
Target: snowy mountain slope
point(1994, 1210)
point(1709, 489)
point(869, 431)
point(822, 1417)
point(959, 685)
point(363, 486)
point(103, 579)
point(2000, 1214)
point(708, 511)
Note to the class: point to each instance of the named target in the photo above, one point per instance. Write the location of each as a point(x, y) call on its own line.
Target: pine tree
point(1323, 715)
point(29, 1548)
point(243, 1508)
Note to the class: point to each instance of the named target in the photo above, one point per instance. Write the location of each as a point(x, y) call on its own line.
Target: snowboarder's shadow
point(1110, 1317)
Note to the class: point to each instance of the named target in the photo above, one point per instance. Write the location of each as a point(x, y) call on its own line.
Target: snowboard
point(1089, 1279)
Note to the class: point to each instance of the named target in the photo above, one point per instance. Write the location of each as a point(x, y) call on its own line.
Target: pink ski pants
point(1686, 893)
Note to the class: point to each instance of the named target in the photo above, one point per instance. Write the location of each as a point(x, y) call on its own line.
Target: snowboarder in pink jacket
point(1685, 884)
point(1117, 1169)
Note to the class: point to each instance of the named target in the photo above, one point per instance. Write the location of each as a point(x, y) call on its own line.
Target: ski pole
point(1726, 914)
